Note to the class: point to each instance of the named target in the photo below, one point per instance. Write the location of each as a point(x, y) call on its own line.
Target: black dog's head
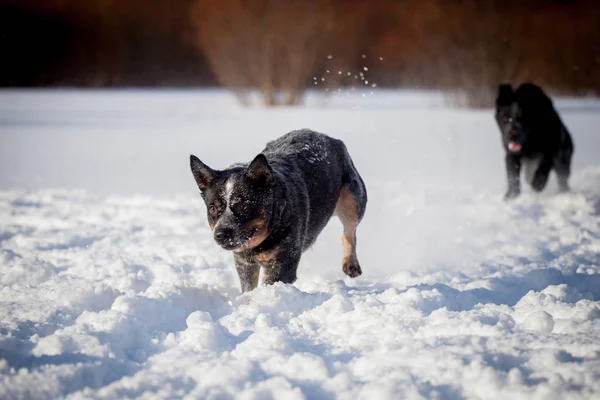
point(238, 200)
point(509, 117)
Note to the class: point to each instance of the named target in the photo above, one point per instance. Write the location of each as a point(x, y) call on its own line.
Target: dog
point(269, 211)
point(533, 135)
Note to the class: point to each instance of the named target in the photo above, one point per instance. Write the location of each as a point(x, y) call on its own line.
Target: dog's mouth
point(239, 244)
point(514, 147)
point(248, 243)
point(229, 245)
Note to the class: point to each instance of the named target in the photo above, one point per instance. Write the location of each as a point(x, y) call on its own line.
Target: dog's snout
point(223, 234)
point(513, 131)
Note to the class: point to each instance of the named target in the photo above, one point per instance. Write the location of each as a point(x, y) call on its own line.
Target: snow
point(111, 285)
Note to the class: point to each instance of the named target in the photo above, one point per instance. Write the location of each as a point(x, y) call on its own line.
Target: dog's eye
point(241, 207)
point(212, 209)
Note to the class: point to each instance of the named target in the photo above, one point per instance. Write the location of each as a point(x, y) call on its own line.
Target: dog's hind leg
point(348, 210)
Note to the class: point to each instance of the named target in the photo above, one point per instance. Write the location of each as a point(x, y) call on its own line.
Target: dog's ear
point(260, 171)
point(505, 95)
point(203, 174)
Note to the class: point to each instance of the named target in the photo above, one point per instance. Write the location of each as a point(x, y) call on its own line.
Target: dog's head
point(238, 200)
point(509, 116)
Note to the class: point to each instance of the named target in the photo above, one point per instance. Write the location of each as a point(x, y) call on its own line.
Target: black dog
point(532, 133)
point(270, 210)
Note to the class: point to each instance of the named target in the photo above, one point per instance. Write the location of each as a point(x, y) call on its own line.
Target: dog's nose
point(223, 234)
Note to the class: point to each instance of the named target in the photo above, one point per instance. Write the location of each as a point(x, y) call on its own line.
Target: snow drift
point(111, 285)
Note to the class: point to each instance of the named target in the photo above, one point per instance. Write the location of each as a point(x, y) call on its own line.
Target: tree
point(275, 46)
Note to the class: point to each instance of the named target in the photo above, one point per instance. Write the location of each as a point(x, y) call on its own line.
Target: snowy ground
point(111, 286)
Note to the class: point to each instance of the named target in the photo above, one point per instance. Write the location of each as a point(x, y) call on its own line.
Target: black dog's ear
point(203, 174)
point(505, 95)
point(260, 171)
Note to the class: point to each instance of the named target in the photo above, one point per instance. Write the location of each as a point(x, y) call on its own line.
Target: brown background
point(278, 46)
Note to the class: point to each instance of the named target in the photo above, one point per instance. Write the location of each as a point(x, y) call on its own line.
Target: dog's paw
point(539, 182)
point(511, 194)
point(351, 267)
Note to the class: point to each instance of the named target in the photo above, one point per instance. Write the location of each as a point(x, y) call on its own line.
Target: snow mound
point(108, 297)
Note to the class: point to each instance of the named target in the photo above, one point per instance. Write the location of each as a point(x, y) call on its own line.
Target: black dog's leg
point(541, 175)
point(248, 271)
point(513, 170)
point(563, 170)
point(562, 165)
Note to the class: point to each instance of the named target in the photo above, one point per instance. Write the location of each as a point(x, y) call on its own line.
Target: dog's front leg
point(541, 175)
point(280, 266)
point(513, 171)
point(562, 161)
point(248, 271)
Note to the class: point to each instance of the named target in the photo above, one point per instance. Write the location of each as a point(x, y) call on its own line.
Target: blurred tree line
point(282, 47)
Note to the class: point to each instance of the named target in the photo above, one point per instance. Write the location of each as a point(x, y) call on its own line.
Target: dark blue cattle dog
point(532, 134)
point(271, 210)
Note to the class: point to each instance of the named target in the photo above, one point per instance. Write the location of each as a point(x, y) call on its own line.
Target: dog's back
point(547, 133)
point(316, 167)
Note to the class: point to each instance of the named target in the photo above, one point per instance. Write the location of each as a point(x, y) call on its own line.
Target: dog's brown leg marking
point(347, 211)
point(266, 258)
